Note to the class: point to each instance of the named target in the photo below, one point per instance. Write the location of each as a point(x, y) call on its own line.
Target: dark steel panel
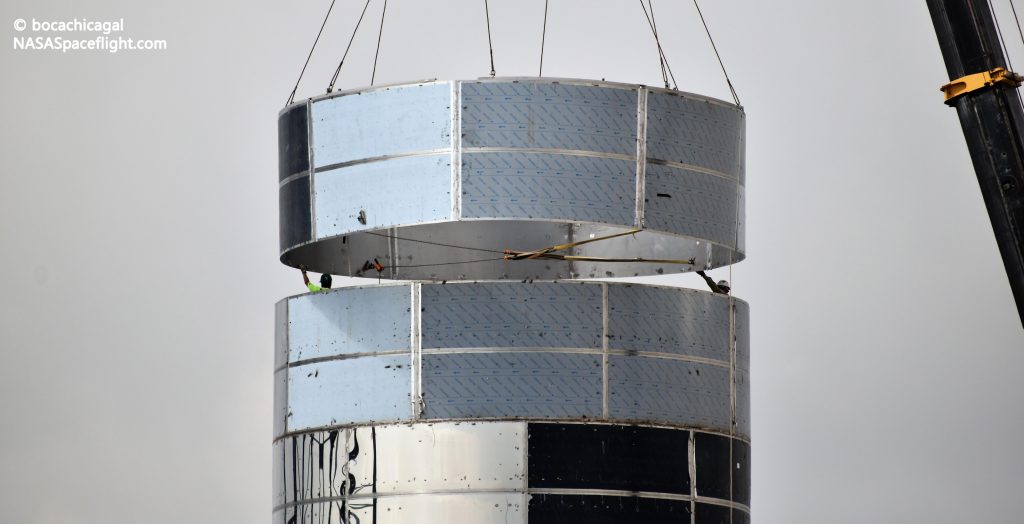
point(691, 203)
point(549, 116)
point(712, 514)
point(740, 517)
point(741, 472)
point(526, 385)
point(292, 142)
point(511, 314)
point(583, 509)
point(713, 465)
point(629, 458)
point(294, 213)
point(694, 132)
point(680, 392)
point(663, 320)
point(544, 185)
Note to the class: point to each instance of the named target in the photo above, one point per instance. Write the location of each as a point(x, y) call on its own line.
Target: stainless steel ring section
point(392, 466)
point(540, 157)
point(506, 350)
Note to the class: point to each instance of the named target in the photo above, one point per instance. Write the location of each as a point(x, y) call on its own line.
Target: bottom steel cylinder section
point(511, 472)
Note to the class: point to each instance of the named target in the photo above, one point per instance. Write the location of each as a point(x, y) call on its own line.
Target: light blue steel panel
point(743, 402)
point(400, 191)
point(661, 390)
point(541, 185)
point(357, 390)
point(280, 401)
point(511, 314)
point(742, 333)
point(384, 122)
point(695, 132)
point(664, 320)
point(349, 320)
point(280, 334)
point(691, 203)
point(549, 116)
point(540, 385)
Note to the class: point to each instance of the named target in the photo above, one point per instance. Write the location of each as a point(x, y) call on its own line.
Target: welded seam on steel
point(311, 159)
point(529, 491)
point(456, 146)
point(415, 355)
point(641, 157)
point(604, 353)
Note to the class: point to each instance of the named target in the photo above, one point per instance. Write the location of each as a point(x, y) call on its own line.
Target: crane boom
point(985, 96)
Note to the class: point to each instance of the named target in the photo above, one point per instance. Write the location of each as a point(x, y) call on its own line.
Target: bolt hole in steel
point(488, 385)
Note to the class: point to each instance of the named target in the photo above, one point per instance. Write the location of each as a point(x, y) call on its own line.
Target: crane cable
point(1017, 19)
point(661, 52)
point(543, 35)
point(490, 46)
point(719, 56)
point(999, 32)
point(347, 48)
point(380, 34)
point(291, 97)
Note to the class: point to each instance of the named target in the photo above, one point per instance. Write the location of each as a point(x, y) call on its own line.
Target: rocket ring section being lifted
point(487, 385)
point(401, 174)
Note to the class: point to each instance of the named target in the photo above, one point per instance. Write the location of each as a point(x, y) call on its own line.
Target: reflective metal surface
point(552, 160)
point(486, 350)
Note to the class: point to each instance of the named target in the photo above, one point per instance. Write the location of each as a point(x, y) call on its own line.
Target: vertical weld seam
point(414, 342)
point(641, 157)
point(691, 455)
point(393, 251)
point(312, 171)
point(732, 394)
point(526, 458)
point(456, 144)
point(605, 388)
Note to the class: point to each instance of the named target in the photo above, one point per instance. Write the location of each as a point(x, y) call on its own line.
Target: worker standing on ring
point(325, 281)
point(721, 287)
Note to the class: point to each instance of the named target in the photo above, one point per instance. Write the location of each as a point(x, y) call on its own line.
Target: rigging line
point(661, 54)
point(999, 31)
point(448, 263)
point(717, 55)
point(433, 243)
point(349, 46)
point(490, 46)
point(380, 34)
point(1017, 19)
point(654, 25)
point(291, 97)
point(543, 36)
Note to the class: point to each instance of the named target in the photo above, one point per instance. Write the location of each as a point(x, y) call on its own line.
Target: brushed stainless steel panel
point(439, 457)
point(358, 390)
point(678, 392)
point(396, 192)
point(349, 320)
point(692, 203)
point(376, 123)
point(666, 320)
point(511, 314)
point(543, 185)
point(695, 132)
point(548, 115)
point(528, 385)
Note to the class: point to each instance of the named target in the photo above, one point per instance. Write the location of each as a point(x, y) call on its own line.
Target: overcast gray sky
point(138, 218)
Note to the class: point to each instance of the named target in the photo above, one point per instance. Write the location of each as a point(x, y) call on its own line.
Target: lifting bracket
point(970, 83)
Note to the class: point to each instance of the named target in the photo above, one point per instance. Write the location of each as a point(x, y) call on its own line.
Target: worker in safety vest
point(325, 281)
point(721, 287)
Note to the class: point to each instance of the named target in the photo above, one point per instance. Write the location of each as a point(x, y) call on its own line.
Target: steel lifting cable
point(380, 33)
point(453, 246)
point(661, 53)
point(490, 46)
point(654, 26)
point(347, 48)
point(1017, 19)
point(999, 32)
point(543, 36)
point(291, 97)
point(732, 90)
point(549, 252)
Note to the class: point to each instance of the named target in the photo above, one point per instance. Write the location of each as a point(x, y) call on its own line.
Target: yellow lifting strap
point(970, 83)
point(549, 252)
